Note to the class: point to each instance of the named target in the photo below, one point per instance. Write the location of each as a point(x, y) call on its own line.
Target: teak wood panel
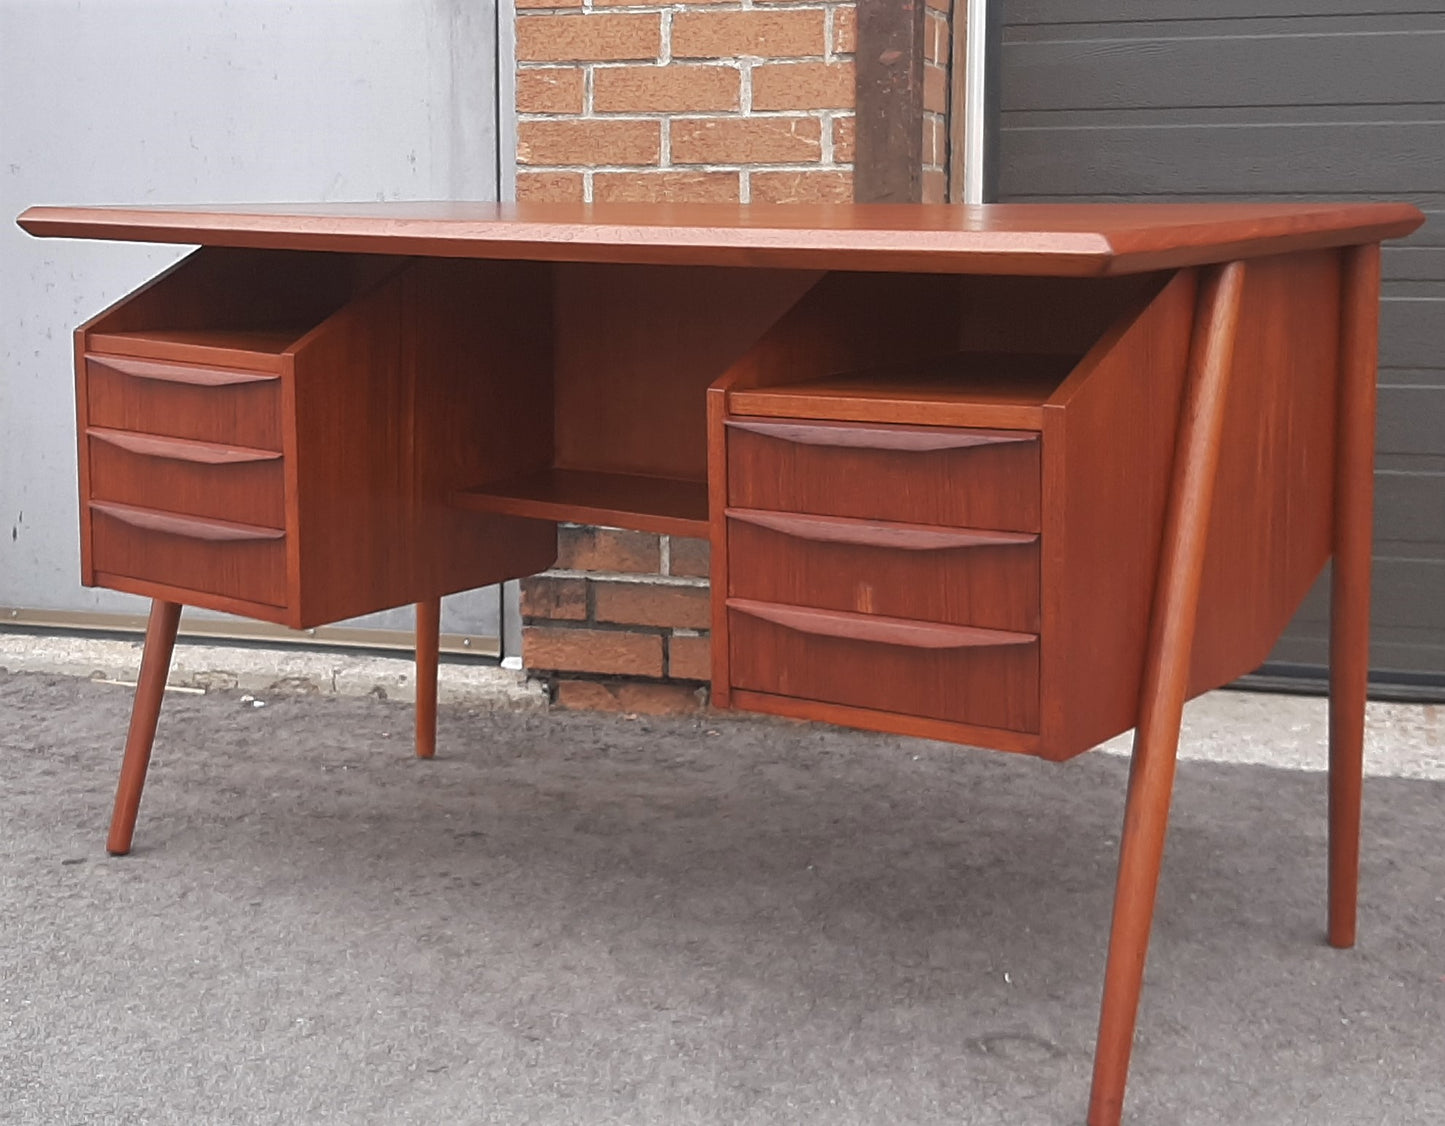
point(647, 504)
point(963, 577)
point(189, 555)
point(917, 475)
point(1269, 531)
point(219, 291)
point(191, 478)
point(183, 401)
point(989, 389)
point(432, 381)
point(637, 347)
point(886, 665)
point(1047, 239)
point(1108, 450)
point(868, 719)
point(254, 349)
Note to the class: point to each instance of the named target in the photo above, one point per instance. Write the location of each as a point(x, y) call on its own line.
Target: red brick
point(608, 549)
point(689, 658)
point(935, 186)
point(550, 187)
point(746, 140)
point(615, 37)
point(651, 604)
point(614, 651)
point(688, 556)
point(936, 44)
point(589, 141)
point(844, 133)
point(551, 596)
point(757, 33)
point(802, 187)
point(935, 88)
point(803, 86)
point(523, 5)
point(677, 88)
point(630, 698)
point(932, 151)
point(549, 89)
point(845, 30)
point(665, 187)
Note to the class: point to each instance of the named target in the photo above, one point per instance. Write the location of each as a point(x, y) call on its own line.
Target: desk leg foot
point(1350, 581)
point(428, 645)
point(1166, 683)
point(145, 713)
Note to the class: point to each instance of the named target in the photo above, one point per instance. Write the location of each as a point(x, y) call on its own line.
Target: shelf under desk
point(1006, 390)
point(621, 500)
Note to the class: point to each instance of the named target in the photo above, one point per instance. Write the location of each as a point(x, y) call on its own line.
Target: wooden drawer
point(241, 408)
point(190, 478)
point(957, 576)
point(228, 559)
point(986, 678)
point(912, 474)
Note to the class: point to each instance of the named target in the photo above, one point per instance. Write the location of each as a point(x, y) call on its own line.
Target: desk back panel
point(637, 347)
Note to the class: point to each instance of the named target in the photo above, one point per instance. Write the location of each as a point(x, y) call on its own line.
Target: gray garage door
point(1282, 99)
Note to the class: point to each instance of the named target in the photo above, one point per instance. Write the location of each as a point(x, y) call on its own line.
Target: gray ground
point(582, 919)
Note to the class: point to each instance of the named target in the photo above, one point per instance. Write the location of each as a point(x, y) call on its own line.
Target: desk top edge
point(1062, 239)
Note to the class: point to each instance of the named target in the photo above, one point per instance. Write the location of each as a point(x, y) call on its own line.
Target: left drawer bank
point(277, 434)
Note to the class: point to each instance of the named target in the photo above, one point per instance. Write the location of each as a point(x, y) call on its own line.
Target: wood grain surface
point(1056, 239)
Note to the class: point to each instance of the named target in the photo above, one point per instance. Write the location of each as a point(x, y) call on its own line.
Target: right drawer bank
point(937, 508)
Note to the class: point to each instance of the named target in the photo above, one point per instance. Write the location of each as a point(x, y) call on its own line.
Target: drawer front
point(226, 559)
point(963, 577)
point(185, 477)
point(241, 408)
point(910, 474)
point(986, 678)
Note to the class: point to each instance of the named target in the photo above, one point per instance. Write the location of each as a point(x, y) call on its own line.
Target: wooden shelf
point(617, 500)
point(997, 389)
point(244, 348)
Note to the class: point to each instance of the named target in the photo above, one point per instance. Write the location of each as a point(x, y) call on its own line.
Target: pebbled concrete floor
point(586, 919)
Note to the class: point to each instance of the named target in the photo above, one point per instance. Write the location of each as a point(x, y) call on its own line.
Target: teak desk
point(1019, 477)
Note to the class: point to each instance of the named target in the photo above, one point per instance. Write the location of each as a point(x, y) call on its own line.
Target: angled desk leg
point(1166, 680)
point(145, 713)
point(428, 654)
point(1350, 580)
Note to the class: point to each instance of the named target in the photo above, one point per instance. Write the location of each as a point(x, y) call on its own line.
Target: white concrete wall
point(172, 101)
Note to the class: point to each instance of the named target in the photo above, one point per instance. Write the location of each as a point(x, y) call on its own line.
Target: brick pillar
point(757, 102)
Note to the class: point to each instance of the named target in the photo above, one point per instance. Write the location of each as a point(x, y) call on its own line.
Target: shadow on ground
point(579, 919)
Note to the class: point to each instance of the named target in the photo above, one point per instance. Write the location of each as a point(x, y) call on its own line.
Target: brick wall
point(621, 622)
point(937, 41)
point(750, 101)
point(691, 101)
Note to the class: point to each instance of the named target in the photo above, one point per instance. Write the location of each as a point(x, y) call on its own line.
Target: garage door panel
point(1033, 12)
point(1412, 333)
point(1414, 263)
point(1328, 69)
point(1406, 594)
point(1411, 506)
point(1229, 159)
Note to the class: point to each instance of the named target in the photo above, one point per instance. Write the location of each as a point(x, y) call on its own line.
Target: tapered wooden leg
point(1350, 581)
point(145, 712)
point(428, 644)
point(1166, 682)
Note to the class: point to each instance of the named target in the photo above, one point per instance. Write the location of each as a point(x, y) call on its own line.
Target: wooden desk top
point(1046, 239)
